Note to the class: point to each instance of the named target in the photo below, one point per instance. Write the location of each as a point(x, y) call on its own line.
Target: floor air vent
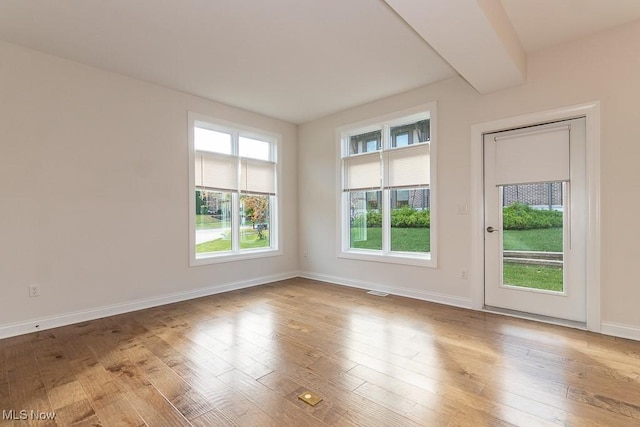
point(378, 293)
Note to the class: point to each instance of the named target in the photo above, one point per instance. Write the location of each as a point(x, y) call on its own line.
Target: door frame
point(591, 112)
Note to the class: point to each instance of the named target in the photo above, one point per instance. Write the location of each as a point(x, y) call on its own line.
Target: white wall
point(94, 191)
point(605, 68)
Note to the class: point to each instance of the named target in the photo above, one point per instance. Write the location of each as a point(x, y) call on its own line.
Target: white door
point(535, 219)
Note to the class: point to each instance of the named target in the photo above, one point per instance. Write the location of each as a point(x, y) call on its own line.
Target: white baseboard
point(607, 328)
point(64, 319)
point(44, 323)
point(410, 293)
point(621, 331)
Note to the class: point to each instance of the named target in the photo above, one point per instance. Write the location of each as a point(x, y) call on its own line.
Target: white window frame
point(237, 131)
point(343, 221)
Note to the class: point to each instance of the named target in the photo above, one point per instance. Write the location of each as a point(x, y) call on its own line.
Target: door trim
point(476, 271)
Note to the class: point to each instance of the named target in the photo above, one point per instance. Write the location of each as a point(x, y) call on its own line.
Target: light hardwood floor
point(242, 358)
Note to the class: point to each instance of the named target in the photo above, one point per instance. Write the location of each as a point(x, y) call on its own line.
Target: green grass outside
point(248, 240)
point(533, 276)
point(402, 239)
point(418, 239)
point(204, 222)
point(410, 239)
point(217, 245)
point(546, 240)
point(374, 239)
point(537, 277)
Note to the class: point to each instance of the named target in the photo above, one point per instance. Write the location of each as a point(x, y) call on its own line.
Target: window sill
point(398, 258)
point(206, 259)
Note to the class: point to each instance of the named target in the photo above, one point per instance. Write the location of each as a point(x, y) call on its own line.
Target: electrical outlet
point(34, 291)
point(464, 274)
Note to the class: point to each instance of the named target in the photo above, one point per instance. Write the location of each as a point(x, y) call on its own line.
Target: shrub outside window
point(233, 181)
point(387, 189)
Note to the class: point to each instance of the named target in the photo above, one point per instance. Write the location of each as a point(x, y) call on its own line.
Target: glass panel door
point(535, 234)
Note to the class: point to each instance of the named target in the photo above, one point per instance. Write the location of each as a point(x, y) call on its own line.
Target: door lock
point(491, 229)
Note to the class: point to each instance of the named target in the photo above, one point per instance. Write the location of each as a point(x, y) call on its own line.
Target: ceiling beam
point(474, 36)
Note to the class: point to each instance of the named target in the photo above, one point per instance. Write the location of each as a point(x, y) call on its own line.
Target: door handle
point(491, 229)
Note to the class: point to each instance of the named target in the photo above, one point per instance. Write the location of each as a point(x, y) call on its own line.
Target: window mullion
point(346, 228)
point(386, 221)
point(272, 219)
point(386, 202)
point(235, 222)
point(386, 137)
point(235, 197)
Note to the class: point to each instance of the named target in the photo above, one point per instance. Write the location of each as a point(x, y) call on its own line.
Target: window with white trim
point(234, 197)
point(387, 189)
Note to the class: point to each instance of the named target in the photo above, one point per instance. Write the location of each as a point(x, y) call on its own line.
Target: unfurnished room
point(319, 213)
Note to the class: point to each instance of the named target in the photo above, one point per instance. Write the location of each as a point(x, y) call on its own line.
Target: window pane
point(402, 198)
point(410, 220)
point(401, 140)
point(365, 143)
point(213, 221)
point(413, 133)
point(254, 148)
point(212, 141)
point(254, 221)
point(366, 219)
point(533, 248)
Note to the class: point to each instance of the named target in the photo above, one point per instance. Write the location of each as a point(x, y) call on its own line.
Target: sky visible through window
point(254, 148)
point(402, 140)
point(220, 142)
point(211, 141)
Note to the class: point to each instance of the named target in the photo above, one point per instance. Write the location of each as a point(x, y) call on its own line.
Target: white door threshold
point(536, 317)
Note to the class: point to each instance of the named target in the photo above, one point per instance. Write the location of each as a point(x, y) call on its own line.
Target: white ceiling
point(544, 23)
point(299, 60)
